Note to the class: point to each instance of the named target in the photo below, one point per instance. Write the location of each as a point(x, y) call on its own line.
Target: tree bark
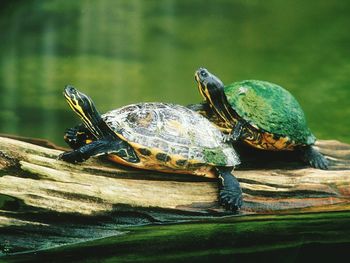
point(38, 190)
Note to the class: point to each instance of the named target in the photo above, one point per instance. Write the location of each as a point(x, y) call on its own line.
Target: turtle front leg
point(95, 148)
point(230, 193)
point(236, 133)
point(313, 157)
point(78, 136)
point(86, 151)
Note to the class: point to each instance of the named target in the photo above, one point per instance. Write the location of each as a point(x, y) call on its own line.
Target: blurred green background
point(125, 51)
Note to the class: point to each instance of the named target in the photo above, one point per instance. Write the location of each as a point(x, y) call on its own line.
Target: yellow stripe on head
point(208, 97)
point(75, 106)
point(212, 90)
point(74, 101)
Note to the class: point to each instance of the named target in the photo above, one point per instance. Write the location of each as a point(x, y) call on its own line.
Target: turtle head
point(212, 90)
point(208, 84)
point(82, 105)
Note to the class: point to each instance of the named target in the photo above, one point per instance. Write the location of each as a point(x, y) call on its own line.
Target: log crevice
point(37, 191)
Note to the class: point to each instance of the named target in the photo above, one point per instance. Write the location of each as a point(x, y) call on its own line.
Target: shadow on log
point(42, 196)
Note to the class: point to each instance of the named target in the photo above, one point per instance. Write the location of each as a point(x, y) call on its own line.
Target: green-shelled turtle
point(154, 136)
point(261, 114)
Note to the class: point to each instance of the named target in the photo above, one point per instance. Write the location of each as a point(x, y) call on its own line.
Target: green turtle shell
point(270, 108)
point(175, 131)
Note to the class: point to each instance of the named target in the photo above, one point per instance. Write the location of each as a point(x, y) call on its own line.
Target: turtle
point(259, 113)
point(154, 136)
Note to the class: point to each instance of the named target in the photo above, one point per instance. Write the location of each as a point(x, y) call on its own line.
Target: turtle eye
point(203, 73)
point(70, 89)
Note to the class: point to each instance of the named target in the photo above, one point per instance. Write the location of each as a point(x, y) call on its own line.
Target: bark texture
point(37, 191)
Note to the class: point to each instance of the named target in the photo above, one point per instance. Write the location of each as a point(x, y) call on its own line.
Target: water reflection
point(122, 52)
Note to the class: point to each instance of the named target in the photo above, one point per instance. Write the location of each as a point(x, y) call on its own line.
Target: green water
point(280, 238)
point(127, 51)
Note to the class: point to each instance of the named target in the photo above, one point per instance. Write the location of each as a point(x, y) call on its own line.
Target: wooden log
point(37, 191)
point(33, 176)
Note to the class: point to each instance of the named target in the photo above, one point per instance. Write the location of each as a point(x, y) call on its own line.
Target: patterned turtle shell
point(270, 108)
point(171, 133)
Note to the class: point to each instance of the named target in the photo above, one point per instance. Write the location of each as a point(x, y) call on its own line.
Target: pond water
point(121, 52)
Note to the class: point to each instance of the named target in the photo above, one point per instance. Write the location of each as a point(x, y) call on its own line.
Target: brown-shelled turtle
point(154, 136)
point(261, 114)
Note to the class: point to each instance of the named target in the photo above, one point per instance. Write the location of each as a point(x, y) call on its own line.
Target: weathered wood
point(32, 175)
point(36, 189)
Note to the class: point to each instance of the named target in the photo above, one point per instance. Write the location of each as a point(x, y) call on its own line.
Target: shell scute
point(173, 130)
point(270, 108)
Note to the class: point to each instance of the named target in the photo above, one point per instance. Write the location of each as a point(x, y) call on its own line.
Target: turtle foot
point(77, 136)
point(230, 138)
point(71, 157)
point(231, 200)
point(227, 137)
point(71, 136)
point(230, 192)
point(314, 158)
point(319, 162)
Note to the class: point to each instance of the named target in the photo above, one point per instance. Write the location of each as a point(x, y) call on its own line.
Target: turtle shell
point(270, 108)
point(167, 131)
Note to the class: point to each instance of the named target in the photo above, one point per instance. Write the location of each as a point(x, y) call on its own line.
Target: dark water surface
point(121, 52)
point(313, 237)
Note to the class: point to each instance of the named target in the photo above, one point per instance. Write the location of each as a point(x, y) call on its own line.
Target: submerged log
point(37, 191)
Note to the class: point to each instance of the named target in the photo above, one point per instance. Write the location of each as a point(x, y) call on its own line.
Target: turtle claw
point(231, 200)
point(236, 132)
point(231, 137)
point(230, 192)
point(77, 137)
point(226, 137)
point(71, 135)
point(320, 162)
point(71, 157)
point(314, 158)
